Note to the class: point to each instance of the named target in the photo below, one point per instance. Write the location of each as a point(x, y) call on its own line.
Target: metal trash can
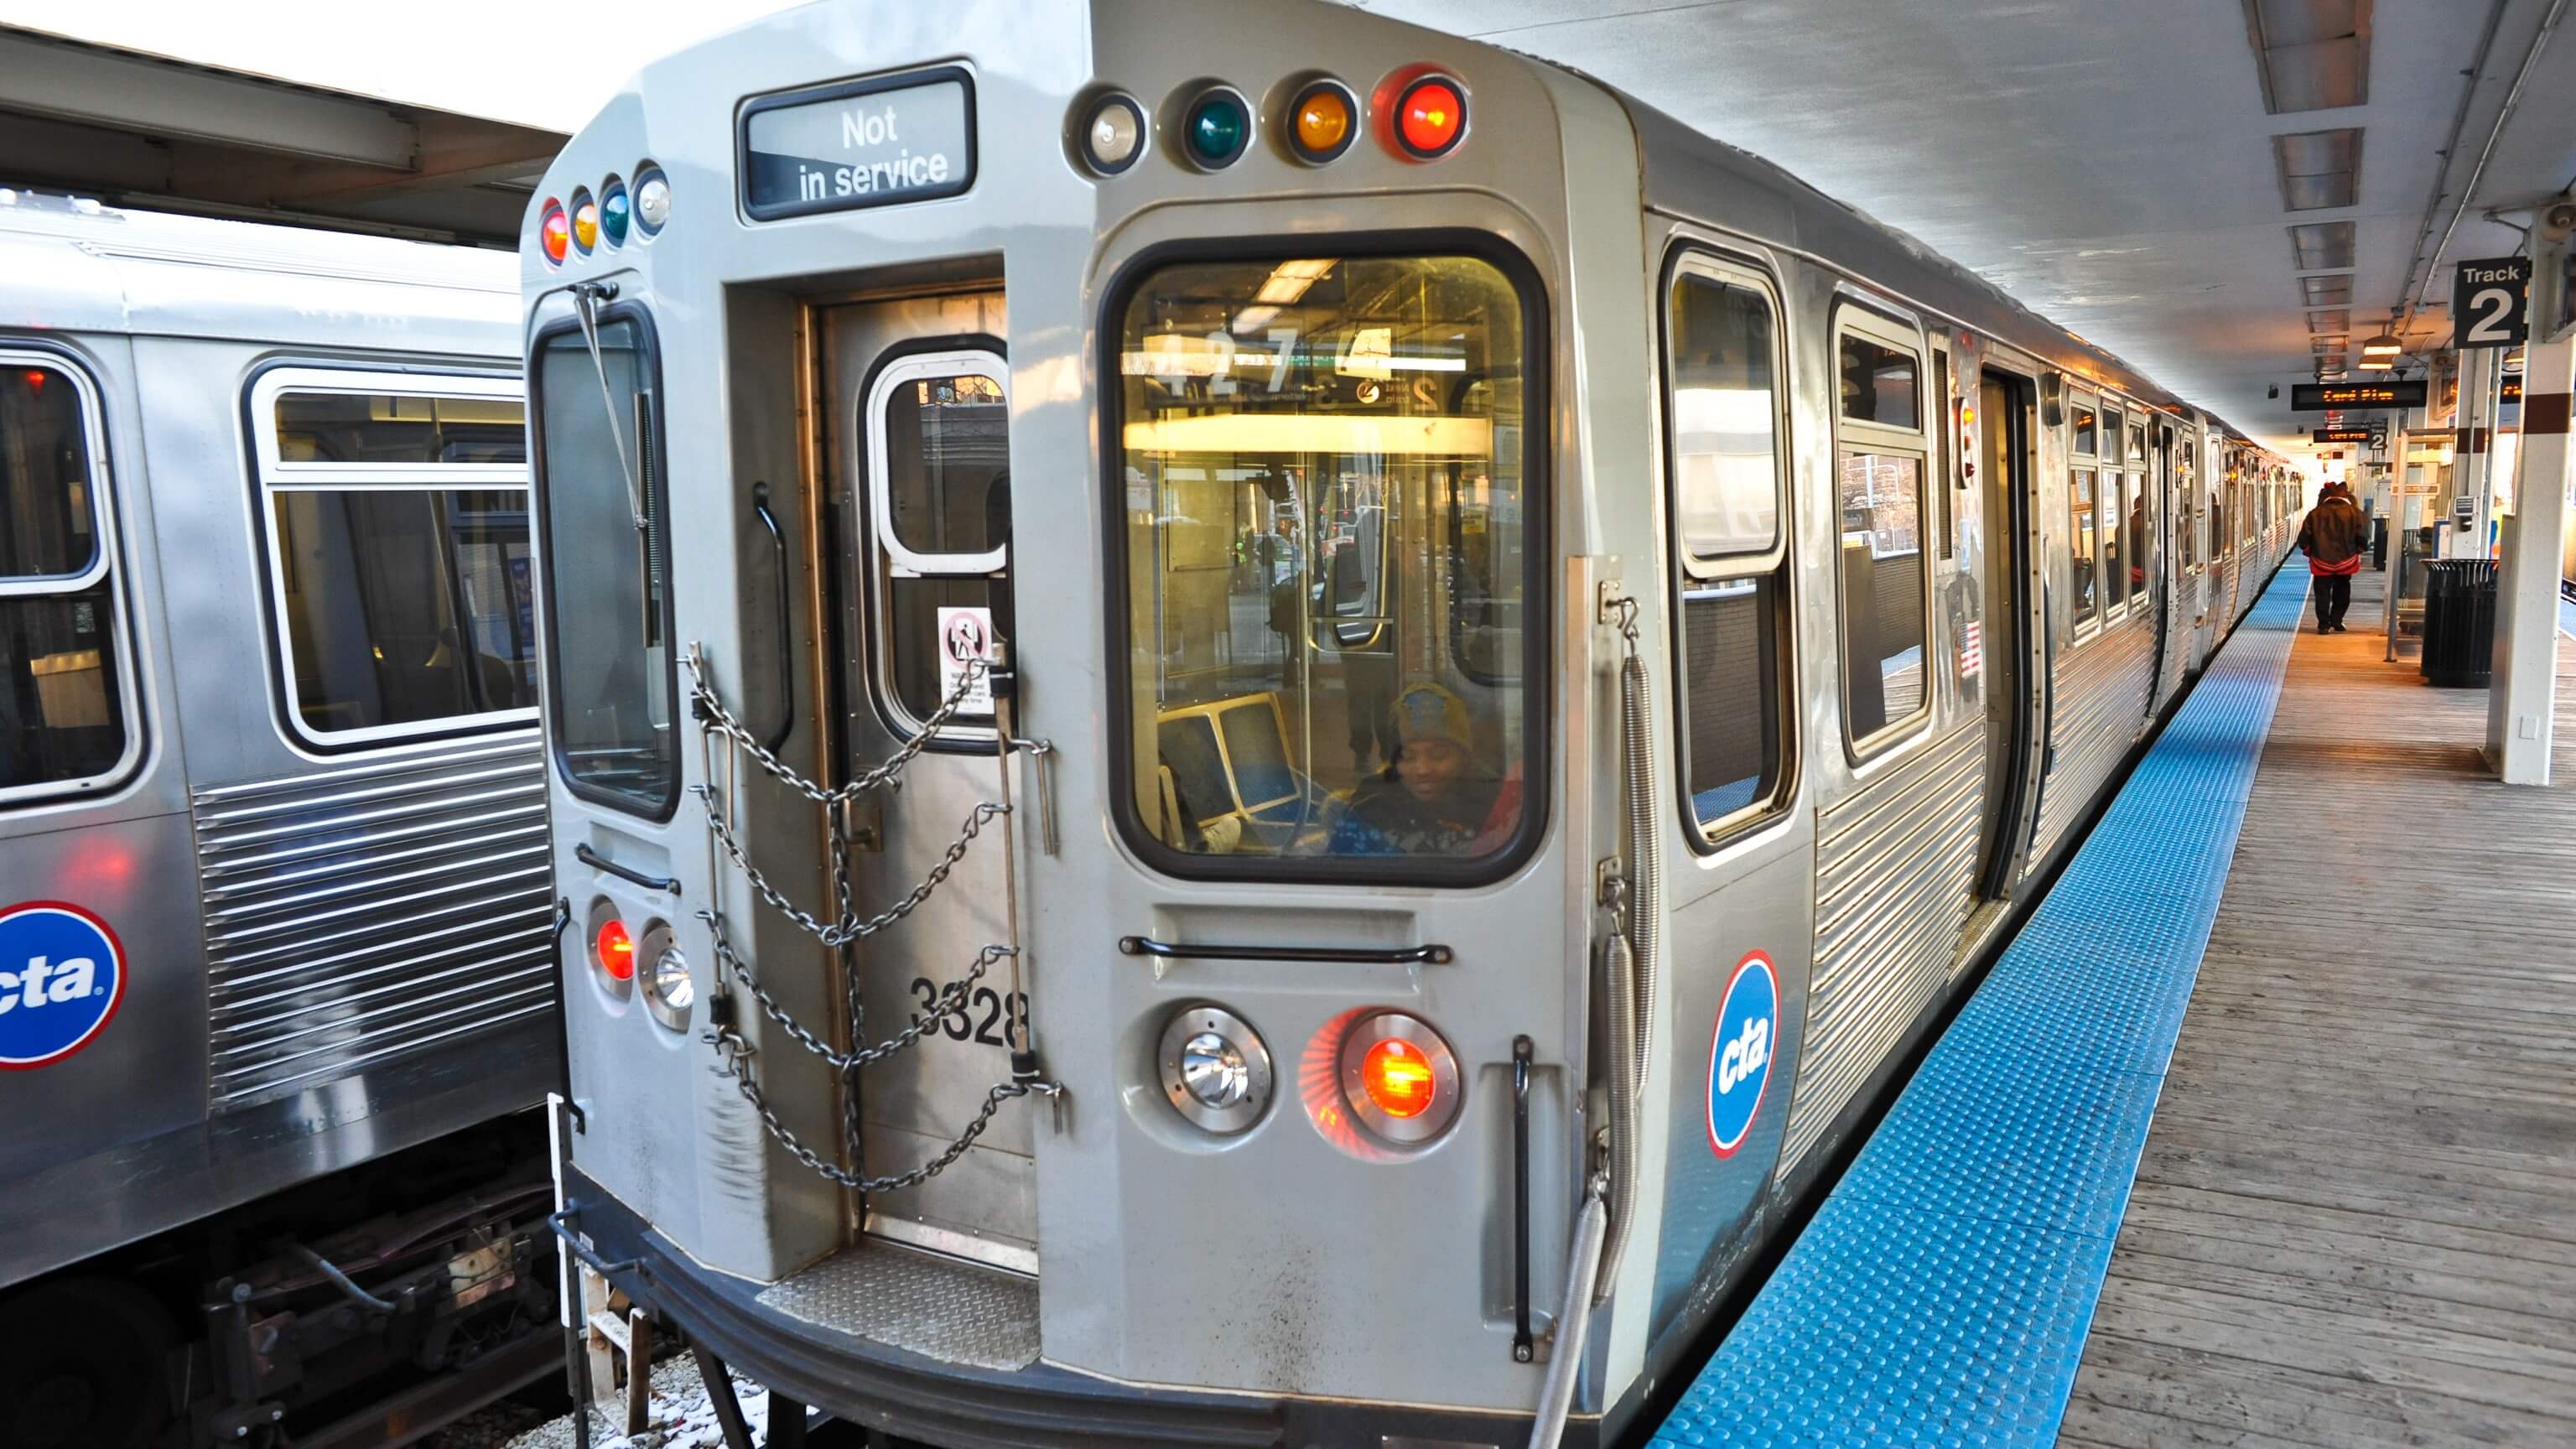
point(2459, 621)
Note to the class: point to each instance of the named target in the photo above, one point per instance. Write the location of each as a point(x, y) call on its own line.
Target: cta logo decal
point(1739, 1057)
point(62, 975)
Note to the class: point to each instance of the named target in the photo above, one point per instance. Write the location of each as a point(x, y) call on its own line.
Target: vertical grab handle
point(786, 634)
point(1522, 1347)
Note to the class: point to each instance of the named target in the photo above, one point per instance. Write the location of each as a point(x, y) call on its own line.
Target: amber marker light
point(1322, 122)
point(1430, 117)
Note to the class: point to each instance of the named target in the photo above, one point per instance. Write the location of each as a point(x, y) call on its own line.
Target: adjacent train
point(1264, 726)
point(275, 890)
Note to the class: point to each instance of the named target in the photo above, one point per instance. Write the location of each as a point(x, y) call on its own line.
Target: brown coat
point(2334, 534)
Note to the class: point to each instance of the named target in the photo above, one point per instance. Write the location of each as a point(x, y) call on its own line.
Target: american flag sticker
point(1972, 649)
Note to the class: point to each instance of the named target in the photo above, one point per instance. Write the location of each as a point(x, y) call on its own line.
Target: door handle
point(1426, 955)
point(786, 635)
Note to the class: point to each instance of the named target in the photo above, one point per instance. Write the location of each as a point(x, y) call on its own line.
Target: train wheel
point(81, 1367)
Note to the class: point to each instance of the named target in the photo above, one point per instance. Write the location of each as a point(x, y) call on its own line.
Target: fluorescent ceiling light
point(2383, 345)
point(1446, 437)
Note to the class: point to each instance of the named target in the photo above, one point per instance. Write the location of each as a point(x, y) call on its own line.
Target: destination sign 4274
point(876, 142)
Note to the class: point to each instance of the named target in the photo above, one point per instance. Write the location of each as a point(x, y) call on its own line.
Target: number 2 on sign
point(999, 1023)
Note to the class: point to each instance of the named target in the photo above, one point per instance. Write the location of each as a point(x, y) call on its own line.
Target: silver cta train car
point(275, 890)
point(1264, 726)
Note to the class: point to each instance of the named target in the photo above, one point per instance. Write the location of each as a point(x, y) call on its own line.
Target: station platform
point(2256, 1135)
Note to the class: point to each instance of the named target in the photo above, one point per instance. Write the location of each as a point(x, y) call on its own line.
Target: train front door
point(2007, 406)
point(914, 404)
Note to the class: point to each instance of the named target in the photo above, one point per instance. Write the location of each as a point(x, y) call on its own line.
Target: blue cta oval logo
point(1739, 1057)
point(62, 974)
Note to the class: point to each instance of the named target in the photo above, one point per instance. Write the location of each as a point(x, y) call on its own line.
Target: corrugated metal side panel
point(357, 914)
point(1893, 880)
point(2099, 707)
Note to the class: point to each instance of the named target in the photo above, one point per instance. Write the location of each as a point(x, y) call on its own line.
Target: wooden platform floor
point(2355, 1224)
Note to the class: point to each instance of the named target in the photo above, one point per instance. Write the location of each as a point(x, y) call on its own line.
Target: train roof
point(1687, 172)
point(75, 266)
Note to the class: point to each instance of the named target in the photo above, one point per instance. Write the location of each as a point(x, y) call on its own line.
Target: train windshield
point(1325, 496)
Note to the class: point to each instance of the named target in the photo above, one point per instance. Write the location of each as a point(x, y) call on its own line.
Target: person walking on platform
point(2333, 536)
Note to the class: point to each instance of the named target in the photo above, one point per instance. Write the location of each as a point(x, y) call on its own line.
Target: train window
point(601, 498)
point(2121, 527)
point(400, 576)
point(939, 501)
point(2086, 424)
point(1885, 523)
point(1723, 413)
point(2187, 497)
point(2082, 576)
point(64, 676)
point(1724, 418)
point(1883, 610)
point(1325, 460)
point(1880, 383)
point(2137, 443)
point(344, 428)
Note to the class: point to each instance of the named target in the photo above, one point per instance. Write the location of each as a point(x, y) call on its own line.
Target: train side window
point(65, 678)
point(2083, 579)
point(2112, 517)
point(939, 507)
point(1884, 607)
point(1725, 433)
point(601, 502)
point(400, 581)
point(2187, 497)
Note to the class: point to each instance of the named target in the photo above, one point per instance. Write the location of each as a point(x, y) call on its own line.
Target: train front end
point(1078, 693)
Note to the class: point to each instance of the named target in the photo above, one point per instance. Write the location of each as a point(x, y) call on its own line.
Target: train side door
point(2007, 404)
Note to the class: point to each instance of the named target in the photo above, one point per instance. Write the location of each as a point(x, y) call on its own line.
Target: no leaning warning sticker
point(62, 975)
point(966, 635)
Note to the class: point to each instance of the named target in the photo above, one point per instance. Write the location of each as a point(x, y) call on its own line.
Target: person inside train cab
point(1436, 797)
point(2333, 536)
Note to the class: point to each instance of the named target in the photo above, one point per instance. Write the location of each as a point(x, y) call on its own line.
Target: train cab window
point(400, 575)
point(1326, 461)
point(1722, 411)
point(65, 681)
point(1885, 523)
point(939, 502)
point(601, 498)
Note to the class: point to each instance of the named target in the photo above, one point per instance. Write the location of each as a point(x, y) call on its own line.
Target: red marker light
point(616, 951)
point(35, 379)
point(554, 232)
point(1430, 117)
point(1397, 1076)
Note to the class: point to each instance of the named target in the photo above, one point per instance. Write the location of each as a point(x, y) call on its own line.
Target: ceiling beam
point(91, 84)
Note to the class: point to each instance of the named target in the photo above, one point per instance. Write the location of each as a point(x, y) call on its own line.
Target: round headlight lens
point(1322, 122)
point(1218, 128)
point(1215, 1069)
point(668, 992)
point(652, 201)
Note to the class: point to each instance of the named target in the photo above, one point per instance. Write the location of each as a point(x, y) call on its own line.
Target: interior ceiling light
point(2376, 364)
point(2383, 345)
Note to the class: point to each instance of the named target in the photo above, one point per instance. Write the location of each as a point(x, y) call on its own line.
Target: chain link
point(734, 1050)
point(721, 721)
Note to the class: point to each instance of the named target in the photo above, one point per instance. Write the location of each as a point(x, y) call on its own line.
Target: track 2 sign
point(62, 974)
point(1739, 1056)
point(2487, 303)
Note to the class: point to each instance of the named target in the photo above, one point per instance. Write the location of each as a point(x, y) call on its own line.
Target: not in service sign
point(851, 144)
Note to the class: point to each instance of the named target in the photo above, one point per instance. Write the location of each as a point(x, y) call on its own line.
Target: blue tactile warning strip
point(1943, 1291)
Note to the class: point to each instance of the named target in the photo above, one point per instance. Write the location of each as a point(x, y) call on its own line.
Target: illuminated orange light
point(1397, 1077)
point(1433, 112)
point(1323, 120)
point(616, 951)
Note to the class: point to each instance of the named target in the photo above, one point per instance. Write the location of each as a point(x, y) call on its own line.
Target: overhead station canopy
point(134, 129)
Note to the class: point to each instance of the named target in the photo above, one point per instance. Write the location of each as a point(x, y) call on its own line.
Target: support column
point(2473, 425)
point(2522, 698)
